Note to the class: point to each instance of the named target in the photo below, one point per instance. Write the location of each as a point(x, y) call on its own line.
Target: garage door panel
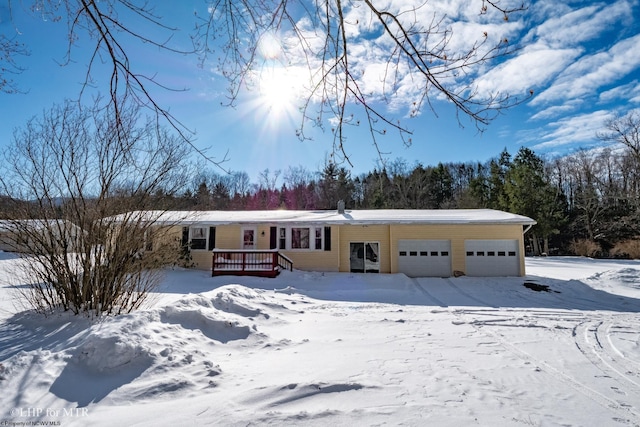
point(492, 258)
point(424, 258)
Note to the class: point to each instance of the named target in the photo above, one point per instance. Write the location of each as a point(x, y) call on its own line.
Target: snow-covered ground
point(338, 349)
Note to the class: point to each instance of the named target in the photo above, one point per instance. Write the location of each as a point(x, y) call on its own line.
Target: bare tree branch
point(83, 179)
point(325, 40)
point(364, 62)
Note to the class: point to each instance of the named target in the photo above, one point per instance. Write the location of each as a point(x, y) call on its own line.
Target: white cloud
point(557, 110)
point(573, 131)
point(396, 83)
point(531, 68)
point(630, 91)
point(553, 62)
point(580, 25)
point(592, 72)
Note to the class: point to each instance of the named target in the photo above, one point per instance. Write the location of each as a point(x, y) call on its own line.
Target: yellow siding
point(229, 237)
point(457, 233)
point(202, 259)
point(315, 260)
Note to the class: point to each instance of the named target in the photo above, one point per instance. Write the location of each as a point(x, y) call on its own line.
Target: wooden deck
point(249, 263)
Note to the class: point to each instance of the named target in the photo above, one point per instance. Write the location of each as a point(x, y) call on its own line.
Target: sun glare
point(269, 46)
point(278, 90)
point(280, 86)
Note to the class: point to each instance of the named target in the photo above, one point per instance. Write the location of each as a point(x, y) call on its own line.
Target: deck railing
point(265, 263)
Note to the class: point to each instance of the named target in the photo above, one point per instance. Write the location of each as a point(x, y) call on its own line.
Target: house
point(441, 243)
point(29, 235)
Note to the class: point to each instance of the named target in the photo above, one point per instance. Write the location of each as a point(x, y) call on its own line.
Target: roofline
point(333, 217)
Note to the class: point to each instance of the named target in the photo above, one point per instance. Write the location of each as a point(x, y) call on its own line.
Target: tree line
point(585, 203)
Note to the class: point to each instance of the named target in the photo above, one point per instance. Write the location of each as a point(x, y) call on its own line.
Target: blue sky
point(581, 59)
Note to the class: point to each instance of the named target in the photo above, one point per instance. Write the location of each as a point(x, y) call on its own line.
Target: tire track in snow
point(468, 295)
point(427, 293)
point(623, 412)
point(593, 339)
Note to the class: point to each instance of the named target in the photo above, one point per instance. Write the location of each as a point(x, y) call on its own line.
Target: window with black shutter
point(185, 236)
point(327, 238)
point(273, 238)
point(212, 238)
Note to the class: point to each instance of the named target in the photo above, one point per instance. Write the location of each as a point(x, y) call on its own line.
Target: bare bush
point(585, 247)
point(405, 42)
point(85, 176)
point(626, 249)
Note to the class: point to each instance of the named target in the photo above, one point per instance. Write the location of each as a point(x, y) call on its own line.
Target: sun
point(279, 90)
point(279, 83)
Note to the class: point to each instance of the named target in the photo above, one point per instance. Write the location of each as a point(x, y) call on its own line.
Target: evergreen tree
point(527, 191)
point(335, 184)
point(497, 178)
point(440, 183)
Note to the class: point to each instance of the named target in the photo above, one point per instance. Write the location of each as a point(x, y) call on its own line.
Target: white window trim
point(312, 238)
point(206, 236)
point(255, 237)
point(365, 242)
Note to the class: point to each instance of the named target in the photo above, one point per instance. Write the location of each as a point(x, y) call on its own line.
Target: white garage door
point(492, 258)
point(423, 258)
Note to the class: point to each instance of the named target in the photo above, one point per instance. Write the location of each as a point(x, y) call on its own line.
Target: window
point(512, 253)
point(434, 253)
point(364, 257)
point(198, 237)
point(424, 253)
point(309, 238)
point(282, 238)
point(300, 238)
point(318, 238)
point(248, 238)
point(403, 253)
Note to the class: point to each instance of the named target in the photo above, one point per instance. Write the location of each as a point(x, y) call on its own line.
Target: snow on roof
point(364, 217)
point(36, 224)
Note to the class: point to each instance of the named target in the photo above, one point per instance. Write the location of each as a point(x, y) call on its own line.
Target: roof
point(12, 225)
point(352, 217)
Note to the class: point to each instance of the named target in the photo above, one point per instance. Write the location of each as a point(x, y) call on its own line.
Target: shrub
point(90, 240)
point(585, 247)
point(626, 249)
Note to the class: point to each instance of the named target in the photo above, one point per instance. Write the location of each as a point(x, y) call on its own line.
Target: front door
point(364, 257)
point(249, 237)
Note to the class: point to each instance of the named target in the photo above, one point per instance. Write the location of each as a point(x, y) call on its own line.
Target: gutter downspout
point(522, 248)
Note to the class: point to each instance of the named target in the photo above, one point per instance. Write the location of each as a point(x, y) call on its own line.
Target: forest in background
point(586, 203)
